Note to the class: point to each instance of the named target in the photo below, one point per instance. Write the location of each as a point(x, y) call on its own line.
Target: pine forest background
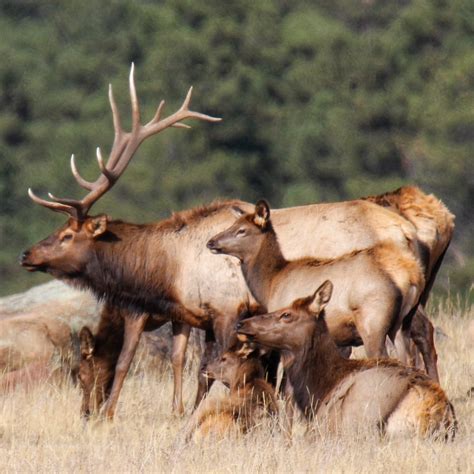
point(321, 100)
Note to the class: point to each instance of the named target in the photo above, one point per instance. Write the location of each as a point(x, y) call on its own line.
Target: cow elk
point(345, 395)
point(159, 270)
point(251, 398)
point(375, 288)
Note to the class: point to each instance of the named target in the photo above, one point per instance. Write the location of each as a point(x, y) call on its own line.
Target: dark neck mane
point(125, 271)
point(260, 270)
point(316, 369)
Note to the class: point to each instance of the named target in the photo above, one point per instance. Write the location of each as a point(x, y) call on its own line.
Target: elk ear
point(262, 213)
point(320, 298)
point(246, 350)
point(87, 343)
point(96, 226)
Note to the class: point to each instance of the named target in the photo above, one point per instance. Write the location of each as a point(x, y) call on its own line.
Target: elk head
point(244, 238)
point(236, 366)
point(287, 328)
point(95, 373)
point(65, 251)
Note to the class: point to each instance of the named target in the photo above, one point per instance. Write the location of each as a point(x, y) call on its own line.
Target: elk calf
point(375, 288)
point(342, 394)
point(250, 398)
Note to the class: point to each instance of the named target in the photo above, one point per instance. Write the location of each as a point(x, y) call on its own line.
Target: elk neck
point(260, 269)
point(131, 269)
point(317, 368)
point(248, 373)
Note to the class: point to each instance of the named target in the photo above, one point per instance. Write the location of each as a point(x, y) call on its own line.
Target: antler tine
point(191, 114)
point(134, 100)
point(55, 206)
point(82, 182)
point(115, 113)
point(156, 125)
point(157, 116)
point(123, 149)
point(187, 100)
point(103, 168)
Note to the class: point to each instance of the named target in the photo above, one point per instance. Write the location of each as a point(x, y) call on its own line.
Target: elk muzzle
point(245, 332)
point(27, 261)
point(213, 246)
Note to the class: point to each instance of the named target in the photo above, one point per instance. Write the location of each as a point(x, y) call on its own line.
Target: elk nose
point(24, 256)
point(210, 244)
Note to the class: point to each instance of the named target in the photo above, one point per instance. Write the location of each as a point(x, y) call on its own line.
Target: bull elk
point(161, 270)
point(344, 394)
point(250, 398)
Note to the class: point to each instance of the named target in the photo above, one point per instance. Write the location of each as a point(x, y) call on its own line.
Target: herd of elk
point(149, 273)
point(250, 399)
point(376, 288)
point(341, 394)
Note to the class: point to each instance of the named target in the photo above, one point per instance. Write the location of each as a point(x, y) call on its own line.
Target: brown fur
point(434, 230)
point(388, 278)
point(250, 398)
point(343, 394)
point(163, 269)
point(100, 355)
point(433, 222)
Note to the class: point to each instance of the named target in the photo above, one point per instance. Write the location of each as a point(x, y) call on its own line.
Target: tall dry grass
point(41, 431)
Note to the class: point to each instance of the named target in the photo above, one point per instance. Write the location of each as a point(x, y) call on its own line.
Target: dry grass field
point(41, 431)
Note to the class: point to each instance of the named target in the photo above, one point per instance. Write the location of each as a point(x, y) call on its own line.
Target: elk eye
point(66, 237)
point(286, 316)
point(241, 232)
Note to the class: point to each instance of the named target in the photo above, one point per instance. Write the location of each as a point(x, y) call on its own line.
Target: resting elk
point(250, 398)
point(341, 394)
point(162, 270)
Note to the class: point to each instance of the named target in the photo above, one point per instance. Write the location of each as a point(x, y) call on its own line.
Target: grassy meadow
point(41, 431)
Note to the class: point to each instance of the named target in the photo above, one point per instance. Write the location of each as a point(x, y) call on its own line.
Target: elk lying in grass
point(376, 287)
point(250, 398)
point(342, 394)
point(157, 270)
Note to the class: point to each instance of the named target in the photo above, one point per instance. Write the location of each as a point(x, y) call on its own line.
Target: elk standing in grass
point(250, 398)
point(434, 230)
point(158, 270)
point(343, 394)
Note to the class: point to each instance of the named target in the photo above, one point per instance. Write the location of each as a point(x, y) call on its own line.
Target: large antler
point(124, 147)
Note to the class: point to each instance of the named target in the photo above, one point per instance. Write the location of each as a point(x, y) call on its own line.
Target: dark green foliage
point(321, 100)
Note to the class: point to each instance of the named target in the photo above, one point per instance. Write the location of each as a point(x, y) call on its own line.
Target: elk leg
point(402, 346)
point(204, 382)
point(181, 333)
point(133, 329)
point(422, 334)
point(374, 341)
point(373, 324)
